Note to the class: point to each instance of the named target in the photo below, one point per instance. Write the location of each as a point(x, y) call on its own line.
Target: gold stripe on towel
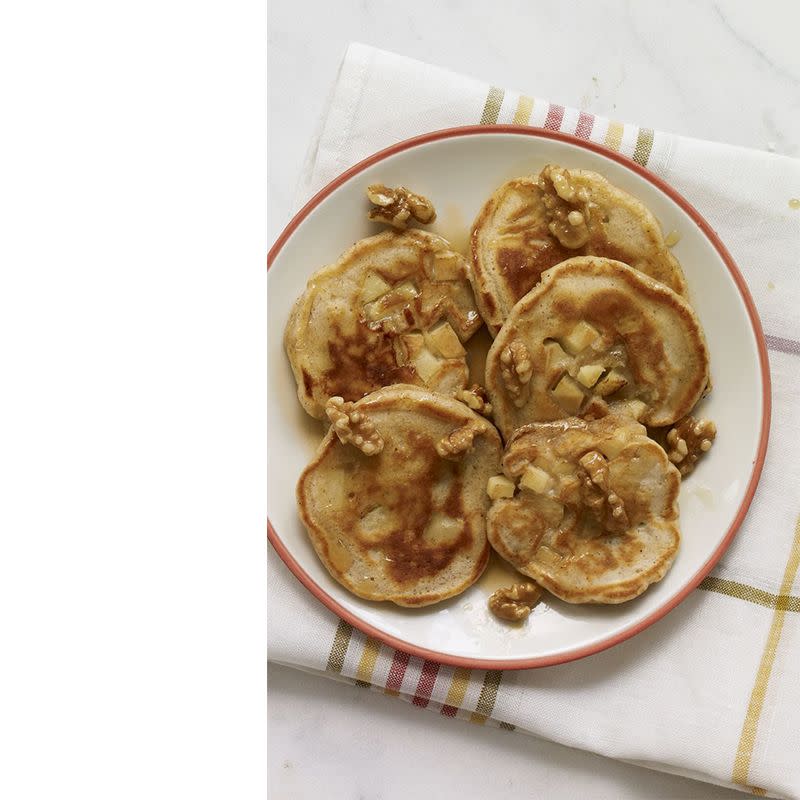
point(747, 740)
point(522, 116)
point(492, 108)
point(339, 648)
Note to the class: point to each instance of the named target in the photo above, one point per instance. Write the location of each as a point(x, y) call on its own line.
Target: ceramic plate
point(458, 169)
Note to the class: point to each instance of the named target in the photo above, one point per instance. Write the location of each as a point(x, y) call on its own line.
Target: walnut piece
point(565, 221)
point(607, 507)
point(516, 368)
point(476, 398)
point(397, 206)
point(688, 440)
point(514, 603)
point(352, 426)
point(460, 440)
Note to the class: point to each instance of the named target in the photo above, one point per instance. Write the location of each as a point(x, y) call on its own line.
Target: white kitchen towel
point(712, 691)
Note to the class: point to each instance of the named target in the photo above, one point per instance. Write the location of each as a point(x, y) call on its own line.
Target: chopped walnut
point(476, 398)
point(607, 507)
point(353, 426)
point(595, 408)
point(565, 222)
point(396, 207)
point(516, 368)
point(688, 440)
point(460, 440)
point(514, 603)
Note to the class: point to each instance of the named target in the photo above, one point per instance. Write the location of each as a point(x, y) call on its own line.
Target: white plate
point(458, 169)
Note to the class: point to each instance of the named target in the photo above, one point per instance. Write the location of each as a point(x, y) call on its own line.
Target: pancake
point(591, 508)
point(526, 227)
point(395, 308)
point(395, 499)
point(596, 332)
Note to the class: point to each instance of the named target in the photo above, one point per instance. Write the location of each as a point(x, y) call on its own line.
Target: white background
point(728, 71)
point(132, 389)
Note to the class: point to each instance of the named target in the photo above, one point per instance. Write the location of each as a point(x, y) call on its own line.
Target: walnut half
point(460, 440)
point(476, 398)
point(605, 505)
point(516, 368)
point(397, 206)
point(514, 603)
point(562, 202)
point(351, 426)
point(688, 440)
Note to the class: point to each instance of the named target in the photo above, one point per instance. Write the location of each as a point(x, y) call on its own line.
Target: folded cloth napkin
point(712, 691)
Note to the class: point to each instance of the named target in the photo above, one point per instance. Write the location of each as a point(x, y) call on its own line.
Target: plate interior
point(458, 174)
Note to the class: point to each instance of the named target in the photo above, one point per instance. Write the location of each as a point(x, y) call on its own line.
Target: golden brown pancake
point(593, 517)
point(395, 499)
point(532, 223)
point(395, 308)
point(596, 332)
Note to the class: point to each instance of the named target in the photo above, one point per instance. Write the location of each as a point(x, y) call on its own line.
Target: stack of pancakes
point(594, 339)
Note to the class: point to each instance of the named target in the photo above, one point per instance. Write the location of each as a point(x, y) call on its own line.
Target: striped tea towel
point(712, 691)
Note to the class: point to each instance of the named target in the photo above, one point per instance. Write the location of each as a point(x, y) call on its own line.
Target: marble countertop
point(725, 71)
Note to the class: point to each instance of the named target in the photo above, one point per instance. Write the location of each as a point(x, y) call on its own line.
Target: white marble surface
point(728, 71)
point(340, 742)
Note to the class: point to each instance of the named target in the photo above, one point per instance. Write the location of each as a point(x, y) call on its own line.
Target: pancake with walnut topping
point(533, 223)
point(395, 308)
point(589, 510)
point(596, 332)
point(394, 500)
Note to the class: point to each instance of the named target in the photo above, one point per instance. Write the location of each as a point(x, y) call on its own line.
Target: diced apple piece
point(400, 295)
point(415, 342)
point(404, 292)
point(589, 374)
point(407, 347)
point(612, 382)
point(636, 409)
point(400, 351)
point(569, 395)
point(549, 557)
point(582, 335)
point(535, 479)
point(447, 267)
point(499, 486)
point(612, 446)
point(373, 288)
point(445, 341)
point(557, 361)
point(426, 364)
point(376, 309)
